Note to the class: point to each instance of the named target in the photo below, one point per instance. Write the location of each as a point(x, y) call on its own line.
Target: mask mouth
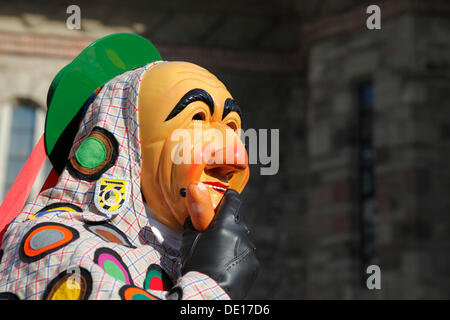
point(216, 186)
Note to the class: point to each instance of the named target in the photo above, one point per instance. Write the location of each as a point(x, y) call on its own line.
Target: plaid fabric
point(114, 109)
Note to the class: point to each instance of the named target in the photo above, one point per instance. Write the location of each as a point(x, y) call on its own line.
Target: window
point(21, 125)
point(366, 168)
point(21, 142)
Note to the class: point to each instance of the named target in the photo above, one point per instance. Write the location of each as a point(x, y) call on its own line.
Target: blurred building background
point(363, 114)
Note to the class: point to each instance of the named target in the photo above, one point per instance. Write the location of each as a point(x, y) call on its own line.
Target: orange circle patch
point(134, 293)
point(45, 238)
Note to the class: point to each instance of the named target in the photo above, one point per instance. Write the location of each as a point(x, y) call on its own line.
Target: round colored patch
point(73, 284)
point(96, 154)
point(135, 293)
point(91, 153)
point(113, 265)
point(157, 279)
point(45, 238)
point(109, 233)
point(8, 296)
point(59, 206)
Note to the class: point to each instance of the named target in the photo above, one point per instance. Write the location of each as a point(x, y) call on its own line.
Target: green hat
point(98, 63)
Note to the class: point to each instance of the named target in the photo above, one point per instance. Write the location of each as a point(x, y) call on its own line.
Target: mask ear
point(72, 87)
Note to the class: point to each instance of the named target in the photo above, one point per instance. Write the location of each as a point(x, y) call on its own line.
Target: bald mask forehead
point(162, 88)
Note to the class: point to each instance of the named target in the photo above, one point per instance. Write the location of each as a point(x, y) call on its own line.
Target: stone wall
point(407, 61)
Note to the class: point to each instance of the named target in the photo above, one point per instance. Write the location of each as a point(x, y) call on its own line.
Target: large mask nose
point(227, 156)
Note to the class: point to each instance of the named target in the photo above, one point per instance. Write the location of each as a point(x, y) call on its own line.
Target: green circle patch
point(91, 153)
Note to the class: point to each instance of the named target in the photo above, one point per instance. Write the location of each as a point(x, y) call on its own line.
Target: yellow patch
point(111, 194)
point(54, 209)
point(68, 290)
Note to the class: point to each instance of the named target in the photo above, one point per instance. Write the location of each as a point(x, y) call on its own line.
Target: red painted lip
point(217, 186)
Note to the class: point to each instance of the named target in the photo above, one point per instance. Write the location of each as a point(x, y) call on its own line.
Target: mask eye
point(199, 116)
point(232, 125)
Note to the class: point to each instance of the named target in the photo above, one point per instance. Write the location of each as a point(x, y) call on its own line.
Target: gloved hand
point(224, 251)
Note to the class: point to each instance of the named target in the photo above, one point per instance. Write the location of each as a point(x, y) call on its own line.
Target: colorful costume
point(92, 236)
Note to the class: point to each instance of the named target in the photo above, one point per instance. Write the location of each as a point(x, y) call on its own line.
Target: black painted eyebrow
point(189, 97)
point(229, 106)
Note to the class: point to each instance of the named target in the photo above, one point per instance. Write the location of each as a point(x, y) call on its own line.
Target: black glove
point(224, 251)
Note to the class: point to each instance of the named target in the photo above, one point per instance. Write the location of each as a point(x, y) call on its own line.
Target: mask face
point(188, 122)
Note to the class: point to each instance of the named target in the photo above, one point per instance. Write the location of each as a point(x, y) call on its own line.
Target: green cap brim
point(98, 63)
